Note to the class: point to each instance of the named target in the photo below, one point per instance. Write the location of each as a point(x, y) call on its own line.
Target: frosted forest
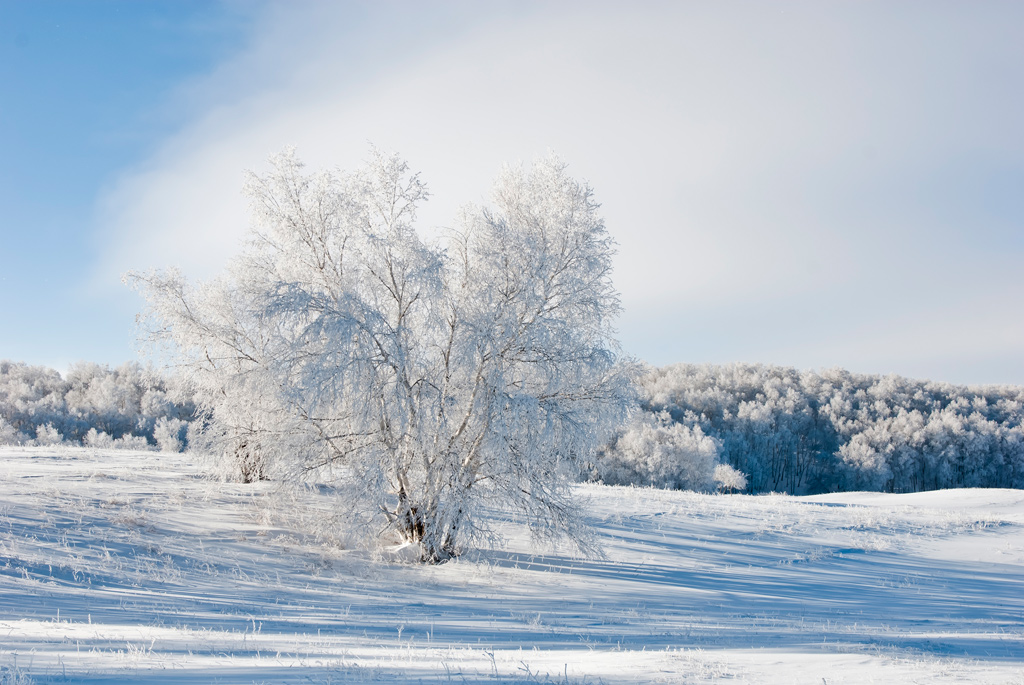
point(132, 407)
point(807, 432)
point(785, 430)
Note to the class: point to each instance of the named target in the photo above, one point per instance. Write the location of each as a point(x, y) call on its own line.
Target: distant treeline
point(785, 430)
point(131, 406)
point(806, 432)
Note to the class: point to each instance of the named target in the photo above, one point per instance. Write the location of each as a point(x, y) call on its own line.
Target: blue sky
point(87, 89)
point(810, 184)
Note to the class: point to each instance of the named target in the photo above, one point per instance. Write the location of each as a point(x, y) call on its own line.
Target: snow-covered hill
point(122, 566)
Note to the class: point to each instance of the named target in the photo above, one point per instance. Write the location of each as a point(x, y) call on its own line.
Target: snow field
point(132, 566)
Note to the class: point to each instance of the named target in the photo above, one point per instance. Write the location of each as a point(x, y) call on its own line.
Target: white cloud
point(747, 157)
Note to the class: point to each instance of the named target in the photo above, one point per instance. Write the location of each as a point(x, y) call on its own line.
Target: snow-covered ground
point(120, 566)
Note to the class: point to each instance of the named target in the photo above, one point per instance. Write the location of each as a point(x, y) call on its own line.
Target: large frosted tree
point(426, 381)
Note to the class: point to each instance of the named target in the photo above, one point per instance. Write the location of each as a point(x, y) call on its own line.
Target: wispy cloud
point(764, 168)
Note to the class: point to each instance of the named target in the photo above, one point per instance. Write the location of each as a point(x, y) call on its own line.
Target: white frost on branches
point(426, 382)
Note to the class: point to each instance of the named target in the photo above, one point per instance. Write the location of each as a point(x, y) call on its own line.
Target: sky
point(810, 184)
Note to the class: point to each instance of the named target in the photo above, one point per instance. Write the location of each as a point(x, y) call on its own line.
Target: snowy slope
point(129, 566)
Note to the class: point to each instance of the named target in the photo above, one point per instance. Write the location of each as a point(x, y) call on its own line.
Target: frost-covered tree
point(47, 435)
point(426, 381)
point(653, 450)
point(729, 479)
point(169, 434)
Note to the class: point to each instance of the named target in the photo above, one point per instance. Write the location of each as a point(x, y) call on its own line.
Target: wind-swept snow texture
point(129, 566)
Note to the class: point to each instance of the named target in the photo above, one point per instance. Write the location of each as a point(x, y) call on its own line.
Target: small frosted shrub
point(47, 435)
point(169, 434)
point(729, 479)
point(98, 439)
point(131, 442)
